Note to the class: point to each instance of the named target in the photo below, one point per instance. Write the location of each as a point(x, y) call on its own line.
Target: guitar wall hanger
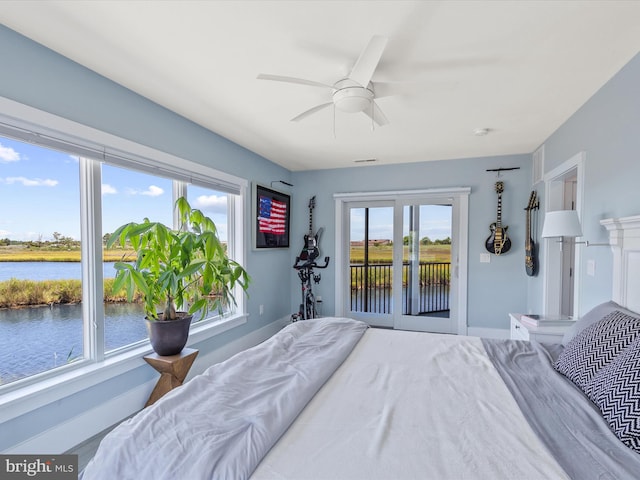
point(502, 169)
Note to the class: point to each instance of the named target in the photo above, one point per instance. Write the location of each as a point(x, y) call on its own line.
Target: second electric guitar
point(311, 251)
point(530, 250)
point(498, 242)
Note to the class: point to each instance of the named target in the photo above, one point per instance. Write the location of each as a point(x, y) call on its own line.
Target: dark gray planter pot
point(169, 337)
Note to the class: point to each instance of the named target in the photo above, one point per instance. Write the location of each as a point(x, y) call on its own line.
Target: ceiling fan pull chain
point(372, 113)
point(334, 120)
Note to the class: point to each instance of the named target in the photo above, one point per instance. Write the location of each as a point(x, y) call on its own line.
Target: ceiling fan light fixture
point(352, 94)
point(353, 99)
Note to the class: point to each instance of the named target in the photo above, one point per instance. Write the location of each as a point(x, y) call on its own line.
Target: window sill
point(56, 386)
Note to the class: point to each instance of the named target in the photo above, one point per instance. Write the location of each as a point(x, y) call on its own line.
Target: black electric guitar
point(498, 242)
point(310, 251)
point(530, 250)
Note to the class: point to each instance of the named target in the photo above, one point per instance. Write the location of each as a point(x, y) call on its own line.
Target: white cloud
point(108, 189)
point(153, 191)
point(211, 203)
point(8, 154)
point(30, 182)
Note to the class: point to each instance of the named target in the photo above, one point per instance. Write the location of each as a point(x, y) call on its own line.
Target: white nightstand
point(523, 331)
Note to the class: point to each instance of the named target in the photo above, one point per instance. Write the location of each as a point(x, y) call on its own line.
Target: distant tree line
point(428, 241)
point(59, 241)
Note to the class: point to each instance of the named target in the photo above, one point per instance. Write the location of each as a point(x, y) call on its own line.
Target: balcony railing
point(371, 288)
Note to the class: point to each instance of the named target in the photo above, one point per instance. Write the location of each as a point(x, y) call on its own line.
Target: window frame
point(36, 126)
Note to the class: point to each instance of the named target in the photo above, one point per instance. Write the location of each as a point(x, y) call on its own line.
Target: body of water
point(37, 339)
point(48, 270)
point(34, 340)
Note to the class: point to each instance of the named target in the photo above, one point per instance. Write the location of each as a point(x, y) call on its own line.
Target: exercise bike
point(308, 307)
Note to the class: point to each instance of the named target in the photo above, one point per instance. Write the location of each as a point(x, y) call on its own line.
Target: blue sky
point(39, 195)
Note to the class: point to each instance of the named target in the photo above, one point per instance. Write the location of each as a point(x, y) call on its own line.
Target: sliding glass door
point(400, 262)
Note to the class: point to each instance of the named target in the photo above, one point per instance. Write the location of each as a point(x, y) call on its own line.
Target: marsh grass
point(380, 260)
point(384, 253)
point(23, 293)
point(16, 293)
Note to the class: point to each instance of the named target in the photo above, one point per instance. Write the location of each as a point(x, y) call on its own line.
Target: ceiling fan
point(356, 92)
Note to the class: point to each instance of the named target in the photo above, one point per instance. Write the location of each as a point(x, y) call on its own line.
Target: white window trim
point(32, 119)
point(39, 390)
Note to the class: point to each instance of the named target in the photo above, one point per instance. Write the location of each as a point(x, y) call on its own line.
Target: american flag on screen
point(272, 214)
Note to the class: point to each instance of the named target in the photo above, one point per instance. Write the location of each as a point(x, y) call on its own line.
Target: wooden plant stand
point(173, 370)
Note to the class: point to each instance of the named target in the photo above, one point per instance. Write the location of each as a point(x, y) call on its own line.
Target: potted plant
point(180, 272)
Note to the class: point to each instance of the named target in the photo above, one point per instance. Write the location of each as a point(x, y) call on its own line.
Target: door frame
point(459, 258)
point(555, 200)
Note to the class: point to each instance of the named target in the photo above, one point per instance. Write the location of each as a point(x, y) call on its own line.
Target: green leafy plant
point(176, 269)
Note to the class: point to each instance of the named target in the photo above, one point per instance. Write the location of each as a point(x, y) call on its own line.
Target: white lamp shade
point(561, 223)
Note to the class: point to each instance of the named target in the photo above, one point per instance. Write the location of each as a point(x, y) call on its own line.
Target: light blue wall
point(607, 129)
point(38, 77)
point(496, 288)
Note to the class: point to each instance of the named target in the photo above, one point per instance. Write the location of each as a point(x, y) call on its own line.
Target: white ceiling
point(519, 68)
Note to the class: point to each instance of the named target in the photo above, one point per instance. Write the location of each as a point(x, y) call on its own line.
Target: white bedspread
point(221, 423)
point(408, 405)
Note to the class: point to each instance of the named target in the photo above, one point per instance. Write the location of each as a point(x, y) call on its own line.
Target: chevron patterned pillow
point(595, 347)
point(616, 391)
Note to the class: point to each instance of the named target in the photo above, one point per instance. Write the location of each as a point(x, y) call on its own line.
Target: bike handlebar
point(310, 264)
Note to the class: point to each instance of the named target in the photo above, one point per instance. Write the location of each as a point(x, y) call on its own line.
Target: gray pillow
point(592, 316)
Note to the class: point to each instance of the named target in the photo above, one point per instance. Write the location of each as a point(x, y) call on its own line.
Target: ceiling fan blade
point(301, 81)
point(311, 111)
point(376, 115)
point(368, 61)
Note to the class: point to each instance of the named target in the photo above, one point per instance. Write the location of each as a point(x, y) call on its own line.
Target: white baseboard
point(64, 436)
point(501, 333)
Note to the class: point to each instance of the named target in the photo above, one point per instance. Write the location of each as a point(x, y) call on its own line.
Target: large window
point(40, 275)
point(128, 196)
point(59, 207)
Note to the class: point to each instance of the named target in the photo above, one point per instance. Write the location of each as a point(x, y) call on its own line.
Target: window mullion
point(179, 190)
point(236, 247)
point(92, 271)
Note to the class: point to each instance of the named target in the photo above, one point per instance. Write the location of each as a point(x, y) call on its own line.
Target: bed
point(334, 399)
